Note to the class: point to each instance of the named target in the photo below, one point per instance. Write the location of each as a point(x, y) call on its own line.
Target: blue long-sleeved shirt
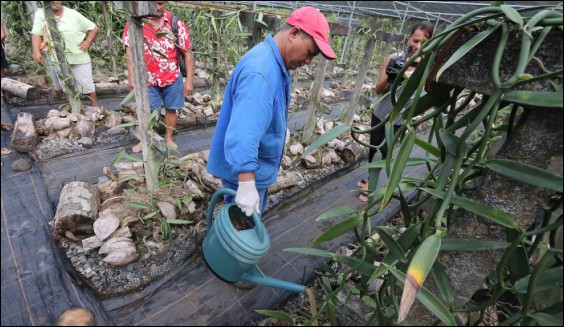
point(250, 132)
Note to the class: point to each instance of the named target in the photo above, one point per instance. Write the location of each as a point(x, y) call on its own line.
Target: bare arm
point(247, 176)
point(3, 33)
point(129, 63)
point(36, 46)
point(189, 82)
point(84, 45)
point(188, 57)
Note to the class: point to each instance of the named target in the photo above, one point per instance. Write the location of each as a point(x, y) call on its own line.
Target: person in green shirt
point(78, 33)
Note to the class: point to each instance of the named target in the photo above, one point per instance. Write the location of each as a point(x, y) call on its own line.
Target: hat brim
point(325, 49)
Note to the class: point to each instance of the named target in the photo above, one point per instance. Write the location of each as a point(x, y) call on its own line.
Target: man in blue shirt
point(248, 143)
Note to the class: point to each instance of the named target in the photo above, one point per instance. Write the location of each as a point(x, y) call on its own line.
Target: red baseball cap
point(312, 21)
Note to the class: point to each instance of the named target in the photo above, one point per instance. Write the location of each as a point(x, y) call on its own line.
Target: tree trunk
point(188, 120)
point(20, 89)
point(353, 152)
point(109, 39)
point(24, 138)
point(138, 9)
point(216, 37)
point(353, 47)
point(111, 88)
point(310, 164)
point(125, 169)
point(353, 106)
point(203, 155)
point(315, 97)
point(210, 182)
point(77, 209)
point(283, 183)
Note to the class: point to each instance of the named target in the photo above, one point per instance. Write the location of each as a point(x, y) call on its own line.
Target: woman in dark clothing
point(419, 32)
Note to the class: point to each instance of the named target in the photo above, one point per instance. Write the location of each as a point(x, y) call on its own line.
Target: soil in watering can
point(239, 220)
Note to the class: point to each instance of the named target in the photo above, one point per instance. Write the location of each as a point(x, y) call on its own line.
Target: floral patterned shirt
point(162, 71)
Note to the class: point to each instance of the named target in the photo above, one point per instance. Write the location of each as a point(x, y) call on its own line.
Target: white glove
point(247, 198)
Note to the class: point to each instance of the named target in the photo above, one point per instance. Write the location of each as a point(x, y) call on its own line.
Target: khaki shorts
point(83, 76)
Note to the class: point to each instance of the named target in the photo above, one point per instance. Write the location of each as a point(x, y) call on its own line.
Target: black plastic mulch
point(36, 287)
point(35, 290)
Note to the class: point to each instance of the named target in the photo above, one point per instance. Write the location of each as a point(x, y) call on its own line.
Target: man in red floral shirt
point(166, 86)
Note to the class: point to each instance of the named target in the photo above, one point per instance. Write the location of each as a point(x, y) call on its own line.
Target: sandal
point(362, 183)
point(136, 149)
point(6, 126)
point(363, 196)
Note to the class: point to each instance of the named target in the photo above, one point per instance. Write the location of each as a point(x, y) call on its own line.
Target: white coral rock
point(105, 225)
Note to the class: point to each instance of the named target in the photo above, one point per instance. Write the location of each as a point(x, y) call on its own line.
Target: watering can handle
point(228, 191)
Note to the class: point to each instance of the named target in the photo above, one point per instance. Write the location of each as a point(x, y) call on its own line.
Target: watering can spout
point(256, 276)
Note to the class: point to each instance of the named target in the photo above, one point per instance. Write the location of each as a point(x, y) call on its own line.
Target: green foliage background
point(203, 22)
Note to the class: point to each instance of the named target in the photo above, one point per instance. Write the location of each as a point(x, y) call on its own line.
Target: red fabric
point(162, 71)
point(312, 21)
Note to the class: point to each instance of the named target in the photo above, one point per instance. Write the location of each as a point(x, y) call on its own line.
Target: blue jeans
point(263, 194)
point(172, 96)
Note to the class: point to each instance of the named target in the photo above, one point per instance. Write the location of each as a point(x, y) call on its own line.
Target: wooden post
point(218, 53)
point(109, 38)
point(140, 9)
point(61, 60)
point(346, 45)
point(352, 50)
point(314, 105)
point(353, 106)
point(248, 20)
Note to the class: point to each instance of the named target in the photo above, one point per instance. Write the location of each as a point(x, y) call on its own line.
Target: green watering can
point(233, 254)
